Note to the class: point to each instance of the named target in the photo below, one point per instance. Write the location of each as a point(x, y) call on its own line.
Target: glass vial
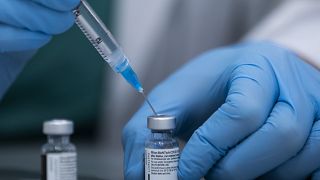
point(58, 155)
point(161, 149)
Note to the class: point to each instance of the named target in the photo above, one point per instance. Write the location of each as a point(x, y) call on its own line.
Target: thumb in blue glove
point(249, 109)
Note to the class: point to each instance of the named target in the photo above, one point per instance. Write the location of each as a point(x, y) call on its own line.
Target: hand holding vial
point(234, 107)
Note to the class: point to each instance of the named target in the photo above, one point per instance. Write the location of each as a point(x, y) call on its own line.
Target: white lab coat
point(161, 35)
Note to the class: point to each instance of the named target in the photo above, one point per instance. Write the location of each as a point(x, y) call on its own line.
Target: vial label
point(61, 166)
point(161, 164)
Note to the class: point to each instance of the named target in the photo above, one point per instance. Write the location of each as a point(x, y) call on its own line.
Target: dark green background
point(65, 79)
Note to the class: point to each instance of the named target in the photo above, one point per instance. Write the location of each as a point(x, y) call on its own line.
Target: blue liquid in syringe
point(101, 38)
point(132, 78)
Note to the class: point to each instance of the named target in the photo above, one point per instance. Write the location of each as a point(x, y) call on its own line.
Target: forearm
point(294, 25)
point(11, 64)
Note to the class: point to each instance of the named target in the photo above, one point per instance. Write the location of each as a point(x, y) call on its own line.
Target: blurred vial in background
point(161, 149)
point(58, 155)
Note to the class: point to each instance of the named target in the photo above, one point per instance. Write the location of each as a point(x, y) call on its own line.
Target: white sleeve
point(295, 25)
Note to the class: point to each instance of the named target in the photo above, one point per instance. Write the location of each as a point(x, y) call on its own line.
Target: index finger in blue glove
point(252, 92)
point(34, 17)
point(65, 5)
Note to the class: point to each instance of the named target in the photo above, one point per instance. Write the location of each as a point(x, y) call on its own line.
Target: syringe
point(101, 38)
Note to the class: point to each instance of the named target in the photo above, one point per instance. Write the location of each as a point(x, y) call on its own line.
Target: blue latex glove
point(251, 111)
point(26, 25)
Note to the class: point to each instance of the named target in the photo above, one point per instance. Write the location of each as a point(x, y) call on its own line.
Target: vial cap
point(161, 122)
point(58, 127)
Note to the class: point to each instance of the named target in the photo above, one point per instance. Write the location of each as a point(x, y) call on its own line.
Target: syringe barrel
point(100, 37)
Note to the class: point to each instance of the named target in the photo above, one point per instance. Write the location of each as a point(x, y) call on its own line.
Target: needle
point(146, 98)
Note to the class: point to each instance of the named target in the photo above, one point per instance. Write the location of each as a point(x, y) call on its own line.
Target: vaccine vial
point(58, 155)
point(161, 149)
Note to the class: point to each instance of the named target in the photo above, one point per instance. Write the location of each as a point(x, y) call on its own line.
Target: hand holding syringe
point(101, 38)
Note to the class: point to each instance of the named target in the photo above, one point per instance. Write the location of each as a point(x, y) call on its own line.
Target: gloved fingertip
point(65, 5)
point(67, 23)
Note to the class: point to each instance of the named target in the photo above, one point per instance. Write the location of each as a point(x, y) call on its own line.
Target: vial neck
point(58, 139)
point(167, 133)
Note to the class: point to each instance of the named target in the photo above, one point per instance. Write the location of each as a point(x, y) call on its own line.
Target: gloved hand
point(251, 111)
point(26, 25)
point(29, 24)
